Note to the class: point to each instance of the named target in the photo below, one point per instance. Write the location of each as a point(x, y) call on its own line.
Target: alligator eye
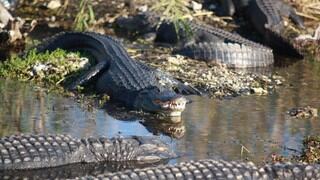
point(157, 101)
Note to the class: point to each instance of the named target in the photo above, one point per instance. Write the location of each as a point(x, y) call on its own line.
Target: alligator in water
point(21, 152)
point(266, 18)
point(75, 170)
point(18, 152)
point(218, 169)
point(207, 43)
point(125, 80)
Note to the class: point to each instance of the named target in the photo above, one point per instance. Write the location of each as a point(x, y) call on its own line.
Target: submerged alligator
point(19, 152)
point(125, 80)
point(218, 169)
point(205, 42)
point(75, 170)
point(266, 18)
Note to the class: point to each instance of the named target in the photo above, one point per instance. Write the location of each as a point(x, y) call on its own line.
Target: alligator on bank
point(218, 169)
point(125, 80)
point(215, 45)
point(19, 152)
point(205, 42)
point(266, 18)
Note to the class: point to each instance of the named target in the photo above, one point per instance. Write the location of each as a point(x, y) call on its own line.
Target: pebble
point(196, 6)
point(54, 4)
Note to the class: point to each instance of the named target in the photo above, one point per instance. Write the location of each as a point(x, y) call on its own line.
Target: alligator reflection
point(171, 129)
point(73, 170)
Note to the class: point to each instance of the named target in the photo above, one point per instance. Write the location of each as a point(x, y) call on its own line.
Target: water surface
point(213, 128)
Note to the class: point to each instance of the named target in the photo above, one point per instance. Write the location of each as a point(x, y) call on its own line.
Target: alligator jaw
point(173, 107)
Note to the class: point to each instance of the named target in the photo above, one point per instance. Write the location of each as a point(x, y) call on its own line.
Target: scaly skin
point(218, 169)
point(41, 151)
point(266, 17)
point(125, 80)
point(231, 54)
point(74, 170)
point(215, 45)
point(207, 43)
point(267, 20)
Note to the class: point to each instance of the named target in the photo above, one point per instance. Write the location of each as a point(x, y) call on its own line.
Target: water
point(250, 127)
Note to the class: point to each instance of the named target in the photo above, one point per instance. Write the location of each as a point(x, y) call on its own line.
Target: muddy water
point(251, 127)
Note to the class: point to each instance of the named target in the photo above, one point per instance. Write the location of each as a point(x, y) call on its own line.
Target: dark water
point(213, 128)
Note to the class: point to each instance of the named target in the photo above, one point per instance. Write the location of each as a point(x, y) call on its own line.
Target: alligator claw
point(88, 76)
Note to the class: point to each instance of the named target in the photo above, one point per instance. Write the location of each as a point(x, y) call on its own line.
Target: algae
point(51, 68)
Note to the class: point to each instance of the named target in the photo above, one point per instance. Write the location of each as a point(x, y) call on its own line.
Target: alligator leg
point(85, 42)
point(86, 77)
point(267, 20)
point(288, 11)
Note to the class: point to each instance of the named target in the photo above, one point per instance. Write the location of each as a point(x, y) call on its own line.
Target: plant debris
point(303, 112)
point(311, 150)
point(217, 80)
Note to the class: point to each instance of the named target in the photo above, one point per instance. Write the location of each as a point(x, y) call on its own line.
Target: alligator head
point(163, 102)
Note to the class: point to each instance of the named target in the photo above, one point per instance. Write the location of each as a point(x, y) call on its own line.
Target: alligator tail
point(231, 54)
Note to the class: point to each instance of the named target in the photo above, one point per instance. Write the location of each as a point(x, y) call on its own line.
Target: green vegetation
point(176, 12)
point(85, 16)
point(311, 150)
point(50, 68)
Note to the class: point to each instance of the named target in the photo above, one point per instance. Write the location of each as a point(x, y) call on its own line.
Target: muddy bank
point(216, 80)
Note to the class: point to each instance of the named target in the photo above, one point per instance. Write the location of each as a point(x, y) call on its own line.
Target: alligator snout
point(174, 107)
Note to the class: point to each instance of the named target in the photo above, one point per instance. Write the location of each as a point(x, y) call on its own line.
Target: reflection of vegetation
point(50, 68)
point(311, 152)
point(85, 16)
point(176, 12)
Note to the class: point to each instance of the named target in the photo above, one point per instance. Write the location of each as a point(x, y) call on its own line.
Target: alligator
point(218, 169)
point(207, 43)
point(266, 18)
point(125, 80)
point(75, 170)
point(19, 152)
point(214, 45)
point(25, 152)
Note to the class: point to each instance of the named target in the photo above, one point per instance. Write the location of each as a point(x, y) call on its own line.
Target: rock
point(54, 4)
point(143, 8)
point(259, 91)
point(176, 60)
point(196, 6)
point(14, 29)
point(5, 16)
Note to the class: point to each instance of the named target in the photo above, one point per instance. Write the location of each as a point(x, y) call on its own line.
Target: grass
point(309, 9)
point(176, 12)
point(85, 16)
point(50, 68)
